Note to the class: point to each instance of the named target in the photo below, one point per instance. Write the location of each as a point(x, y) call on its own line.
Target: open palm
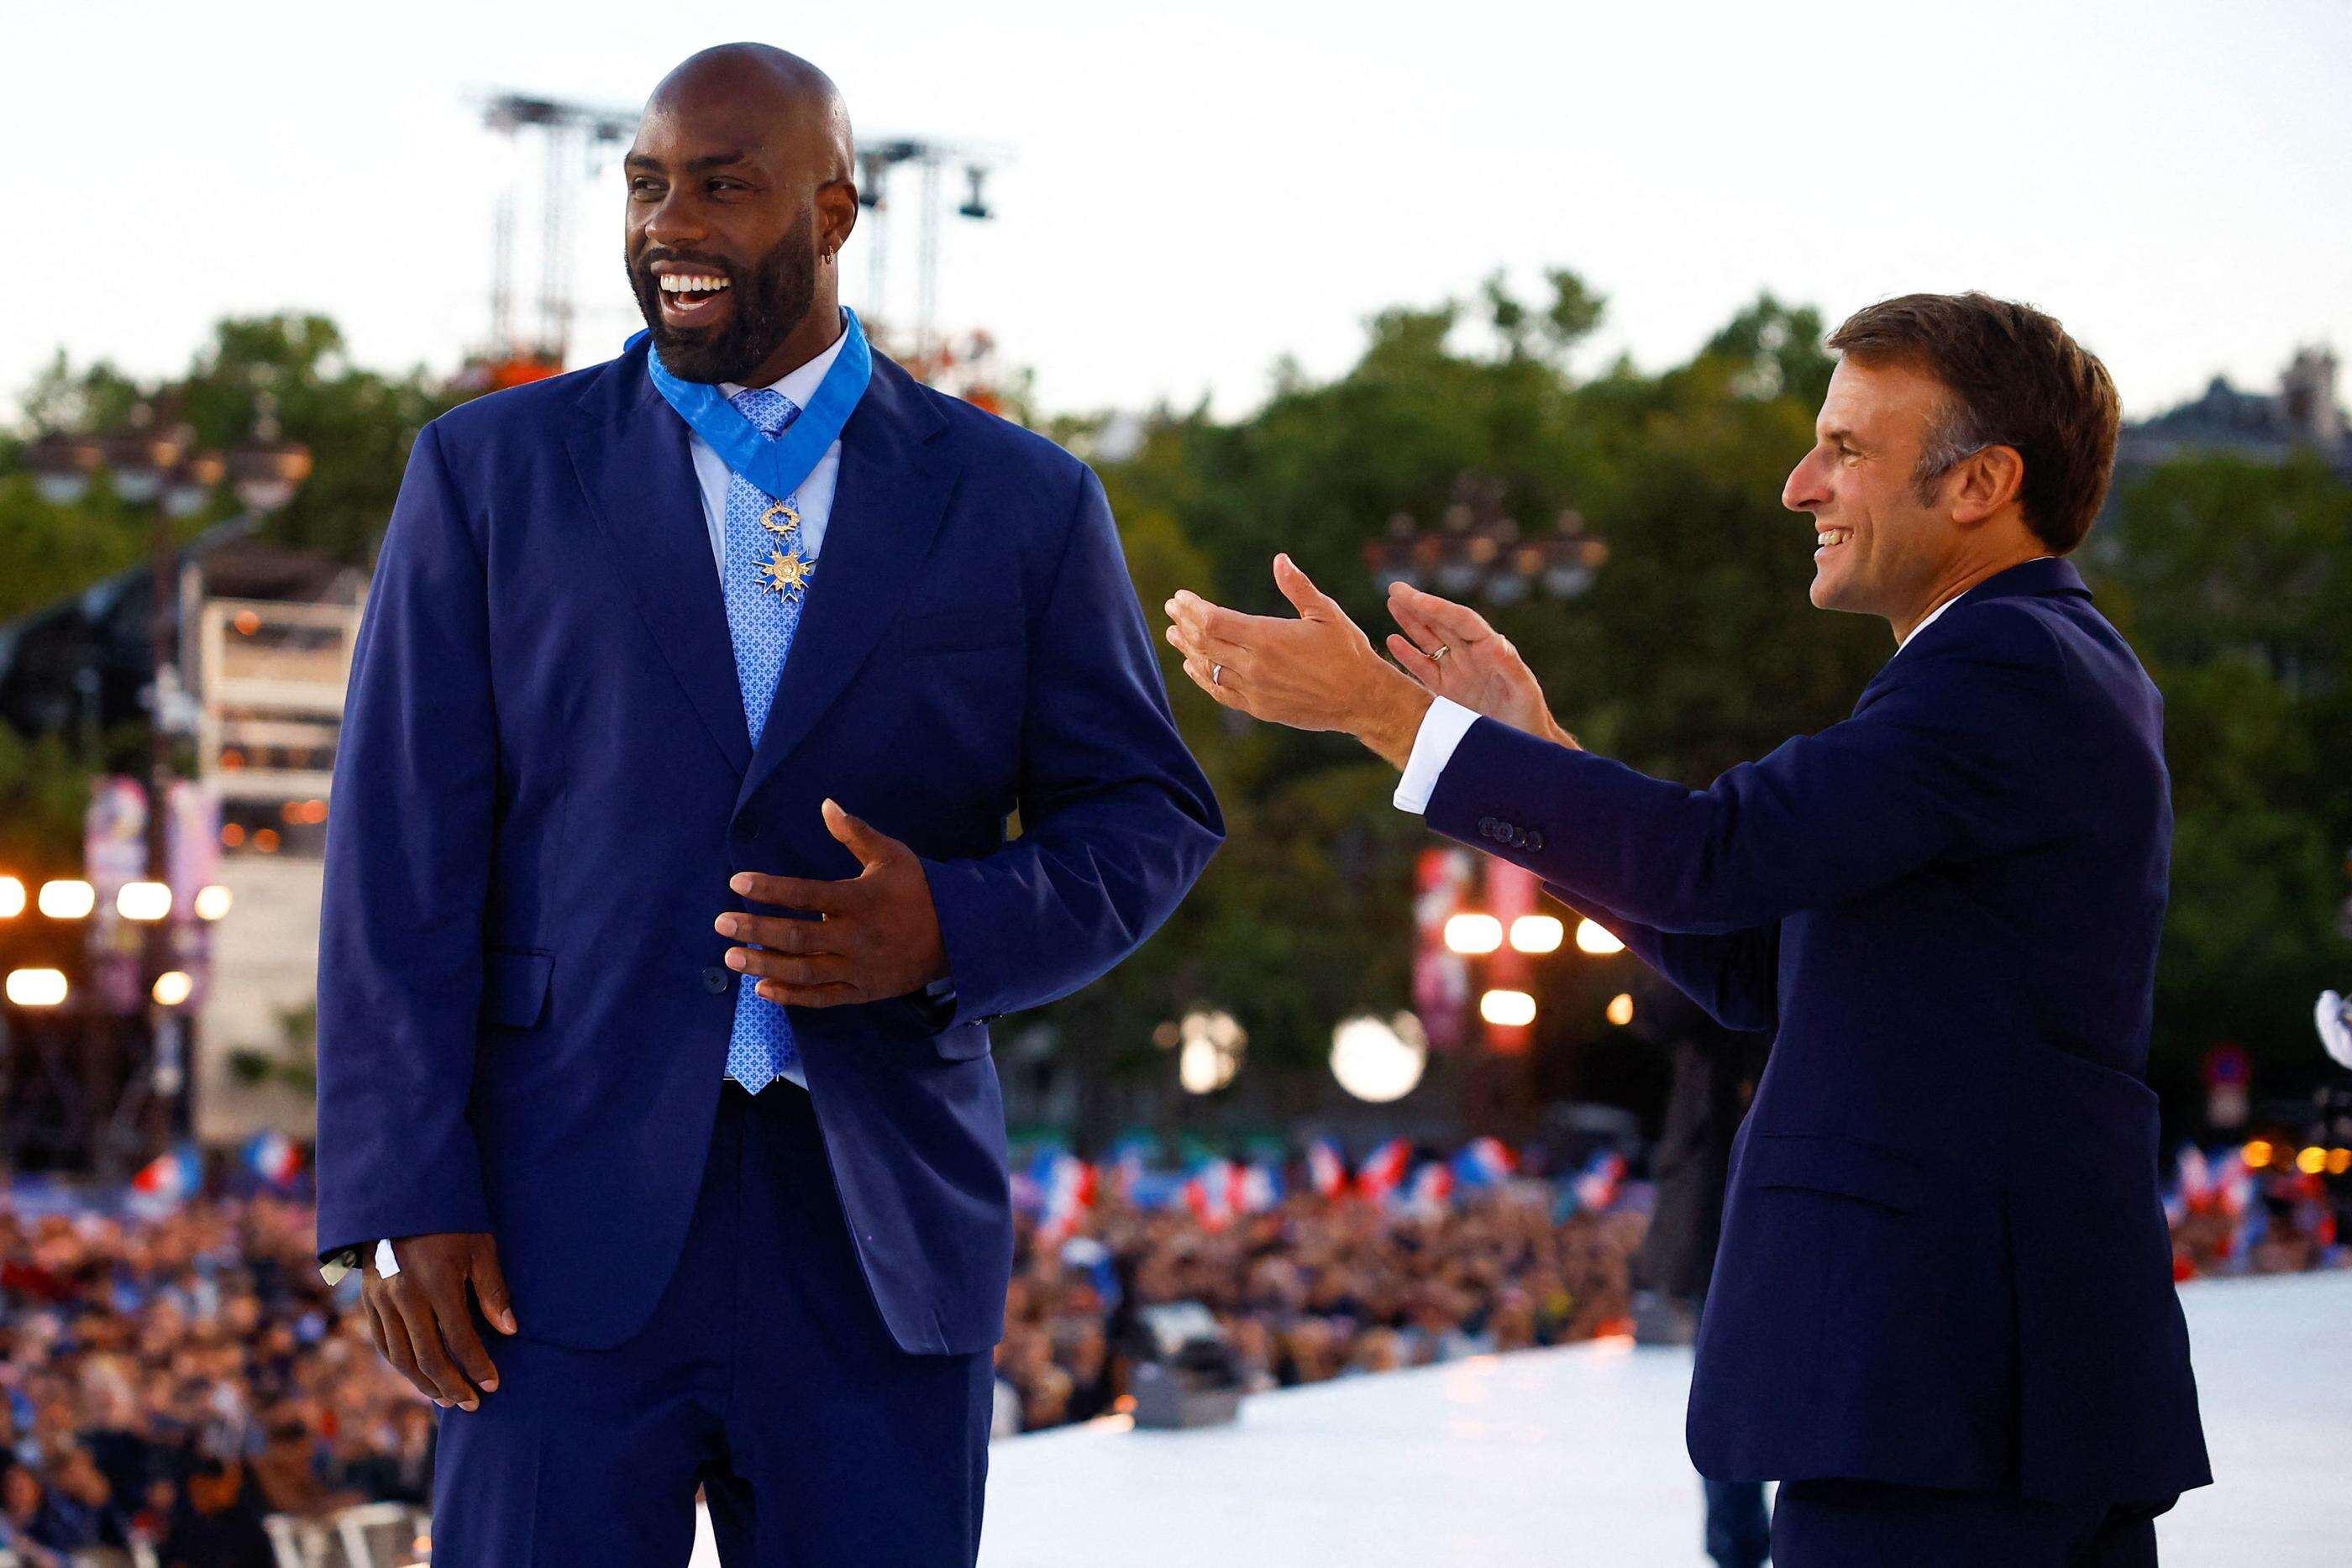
point(1479, 669)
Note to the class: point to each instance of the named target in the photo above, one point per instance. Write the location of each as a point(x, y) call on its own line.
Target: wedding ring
point(1441, 650)
point(1216, 674)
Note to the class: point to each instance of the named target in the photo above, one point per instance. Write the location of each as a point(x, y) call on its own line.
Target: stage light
point(1621, 1009)
point(144, 901)
point(1537, 934)
point(212, 900)
point(12, 897)
point(2312, 1161)
point(36, 988)
point(1376, 1061)
point(1211, 1053)
point(1594, 938)
point(2257, 1153)
point(1509, 1009)
point(68, 898)
point(1472, 933)
point(173, 987)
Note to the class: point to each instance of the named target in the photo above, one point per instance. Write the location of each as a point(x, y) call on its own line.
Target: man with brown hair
point(1942, 1314)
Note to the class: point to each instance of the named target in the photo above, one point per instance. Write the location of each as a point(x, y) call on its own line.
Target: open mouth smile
point(691, 298)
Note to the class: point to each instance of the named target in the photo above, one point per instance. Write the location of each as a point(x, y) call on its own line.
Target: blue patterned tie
point(762, 625)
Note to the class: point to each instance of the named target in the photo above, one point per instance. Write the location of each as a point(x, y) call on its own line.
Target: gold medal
point(787, 574)
point(786, 510)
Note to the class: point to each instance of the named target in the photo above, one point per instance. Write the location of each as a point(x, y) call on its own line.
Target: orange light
point(1511, 1009)
point(265, 841)
point(247, 622)
point(68, 898)
point(1621, 1009)
point(12, 897)
point(1594, 939)
point(2339, 1161)
point(1472, 933)
point(2312, 1161)
point(232, 834)
point(2258, 1154)
point(36, 988)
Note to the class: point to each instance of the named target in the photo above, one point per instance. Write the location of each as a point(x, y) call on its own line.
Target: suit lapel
point(2050, 574)
point(892, 491)
point(629, 448)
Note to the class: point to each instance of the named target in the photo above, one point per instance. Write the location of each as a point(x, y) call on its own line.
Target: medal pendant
point(784, 510)
point(787, 574)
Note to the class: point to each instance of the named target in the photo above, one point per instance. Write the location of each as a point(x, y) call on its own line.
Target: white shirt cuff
point(386, 1263)
point(1441, 728)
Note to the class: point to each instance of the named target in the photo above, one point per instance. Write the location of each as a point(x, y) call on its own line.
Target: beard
point(764, 307)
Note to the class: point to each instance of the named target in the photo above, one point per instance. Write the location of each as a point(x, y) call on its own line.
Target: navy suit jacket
point(545, 781)
point(1944, 1259)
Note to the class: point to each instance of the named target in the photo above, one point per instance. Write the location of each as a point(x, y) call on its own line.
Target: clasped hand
point(1319, 671)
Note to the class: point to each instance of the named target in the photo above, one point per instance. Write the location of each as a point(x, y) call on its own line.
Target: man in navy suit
point(1942, 1314)
point(637, 1047)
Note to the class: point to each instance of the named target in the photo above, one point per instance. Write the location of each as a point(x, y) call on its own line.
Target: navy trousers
point(765, 1376)
point(1876, 1525)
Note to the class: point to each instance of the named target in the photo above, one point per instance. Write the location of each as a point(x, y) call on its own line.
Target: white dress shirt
point(1441, 728)
point(815, 494)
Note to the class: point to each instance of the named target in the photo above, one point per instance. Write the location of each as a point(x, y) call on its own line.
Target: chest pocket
point(956, 632)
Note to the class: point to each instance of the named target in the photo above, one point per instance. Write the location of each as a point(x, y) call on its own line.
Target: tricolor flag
point(1208, 1193)
point(1482, 1163)
point(1429, 1192)
point(2192, 1186)
point(1128, 1160)
point(1065, 1188)
point(172, 1176)
point(1596, 1186)
point(1384, 1169)
point(1327, 1167)
point(274, 1156)
point(1258, 1187)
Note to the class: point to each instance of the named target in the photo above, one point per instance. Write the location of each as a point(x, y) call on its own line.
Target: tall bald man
point(1942, 1314)
point(668, 897)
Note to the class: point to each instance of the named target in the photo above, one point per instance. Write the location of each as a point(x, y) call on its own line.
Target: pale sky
point(1193, 191)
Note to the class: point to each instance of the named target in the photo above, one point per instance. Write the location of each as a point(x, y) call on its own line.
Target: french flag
point(2193, 1187)
point(1327, 1167)
point(1129, 1158)
point(1482, 1163)
point(1066, 1186)
point(174, 1176)
point(1258, 1187)
point(1384, 1169)
point(1596, 1186)
point(1429, 1192)
point(1209, 1194)
point(274, 1156)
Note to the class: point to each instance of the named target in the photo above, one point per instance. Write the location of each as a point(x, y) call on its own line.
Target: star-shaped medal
point(784, 573)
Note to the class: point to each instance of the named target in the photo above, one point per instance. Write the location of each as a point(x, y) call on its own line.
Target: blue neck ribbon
point(776, 466)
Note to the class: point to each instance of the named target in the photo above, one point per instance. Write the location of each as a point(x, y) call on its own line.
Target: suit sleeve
point(1734, 975)
point(407, 871)
point(1117, 820)
point(1943, 760)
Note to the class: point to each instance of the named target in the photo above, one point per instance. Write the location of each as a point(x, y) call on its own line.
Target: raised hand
point(1317, 670)
point(878, 934)
point(1451, 649)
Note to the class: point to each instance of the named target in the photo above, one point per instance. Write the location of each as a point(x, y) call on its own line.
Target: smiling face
point(1883, 541)
point(738, 198)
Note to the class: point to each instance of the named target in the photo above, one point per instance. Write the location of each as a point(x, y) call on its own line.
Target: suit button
point(1534, 838)
point(1508, 833)
point(747, 829)
point(1486, 826)
point(714, 980)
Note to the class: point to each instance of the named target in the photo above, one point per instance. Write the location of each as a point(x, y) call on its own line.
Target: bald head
point(762, 82)
point(741, 192)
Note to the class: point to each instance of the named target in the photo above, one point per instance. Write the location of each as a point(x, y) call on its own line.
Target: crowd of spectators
point(1310, 1291)
point(173, 1380)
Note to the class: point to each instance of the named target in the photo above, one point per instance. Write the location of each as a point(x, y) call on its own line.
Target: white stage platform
point(1573, 1458)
